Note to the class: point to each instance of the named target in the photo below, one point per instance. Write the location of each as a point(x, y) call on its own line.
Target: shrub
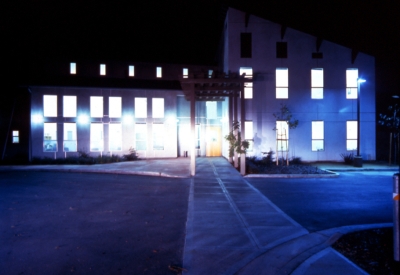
point(347, 158)
point(132, 155)
point(268, 157)
point(295, 160)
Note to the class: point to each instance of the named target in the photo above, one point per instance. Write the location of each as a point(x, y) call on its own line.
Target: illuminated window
point(50, 105)
point(317, 135)
point(282, 135)
point(50, 137)
point(70, 137)
point(72, 68)
point(351, 135)
point(102, 69)
point(317, 83)
point(141, 107)
point(69, 106)
point(211, 107)
point(158, 107)
point(115, 136)
point(210, 73)
point(351, 83)
point(159, 72)
point(96, 106)
point(114, 106)
point(15, 136)
point(197, 134)
point(141, 136)
point(131, 70)
point(248, 86)
point(282, 83)
point(185, 72)
point(248, 126)
point(96, 137)
point(158, 136)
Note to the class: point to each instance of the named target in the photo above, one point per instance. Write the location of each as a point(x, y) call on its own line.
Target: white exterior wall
point(334, 109)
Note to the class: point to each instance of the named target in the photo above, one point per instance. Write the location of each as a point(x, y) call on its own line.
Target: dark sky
point(185, 31)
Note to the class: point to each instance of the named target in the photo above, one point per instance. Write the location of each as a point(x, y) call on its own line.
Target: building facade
point(109, 107)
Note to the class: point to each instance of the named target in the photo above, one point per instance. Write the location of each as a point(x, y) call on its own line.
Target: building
point(110, 107)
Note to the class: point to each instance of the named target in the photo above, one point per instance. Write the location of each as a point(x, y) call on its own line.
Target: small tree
point(285, 115)
point(235, 141)
point(392, 122)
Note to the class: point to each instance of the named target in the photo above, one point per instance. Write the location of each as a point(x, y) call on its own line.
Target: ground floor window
point(141, 136)
point(351, 135)
point(70, 137)
point(96, 137)
point(158, 136)
point(248, 134)
point(317, 135)
point(50, 137)
point(197, 133)
point(282, 136)
point(115, 137)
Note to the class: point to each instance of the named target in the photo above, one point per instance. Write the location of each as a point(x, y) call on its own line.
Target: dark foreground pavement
point(62, 223)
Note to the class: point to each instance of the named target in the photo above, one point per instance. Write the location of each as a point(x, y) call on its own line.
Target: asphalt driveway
point(58, 223)
point(353, 198)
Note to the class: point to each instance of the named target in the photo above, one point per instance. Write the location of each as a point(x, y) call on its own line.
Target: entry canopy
point(214, 87)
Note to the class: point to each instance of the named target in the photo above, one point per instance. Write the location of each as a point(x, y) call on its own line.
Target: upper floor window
point(131, 71)
point(282, 83)
point(96, 106)
point(210, 73)
point(15, 136)
point(317, 135)
point(317, 83)
point(185, 72)
point(158, 107)
point(72, 68)
point(69, 106)
point(281, 50)
point(248, 86)
point(245, 45)
point(114, 107)
point(140, 107)
point(351, 83)
point(159, 72)
point(102, 69)
point(50, 105)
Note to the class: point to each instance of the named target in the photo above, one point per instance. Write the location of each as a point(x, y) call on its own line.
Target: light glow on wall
point(127, 119)
point(37, 118)
point(83, 119)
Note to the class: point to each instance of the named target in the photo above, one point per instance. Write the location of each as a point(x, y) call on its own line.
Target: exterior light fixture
point(37, 118)
point(127, 119)
point(83, 119)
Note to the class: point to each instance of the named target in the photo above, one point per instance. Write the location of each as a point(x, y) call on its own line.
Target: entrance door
point(213, 141)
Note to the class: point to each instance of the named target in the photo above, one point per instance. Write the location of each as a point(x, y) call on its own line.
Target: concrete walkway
point(231, 227)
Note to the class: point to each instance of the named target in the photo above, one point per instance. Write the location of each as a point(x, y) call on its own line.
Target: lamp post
point(358, 157)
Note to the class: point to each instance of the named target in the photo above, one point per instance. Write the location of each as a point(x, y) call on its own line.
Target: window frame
point(351, 84)
point(317, 89)
point(351, 135)
point(50, 105)
point(15, 136)
point(282, 83)
point(66, 139)
point(317, 137)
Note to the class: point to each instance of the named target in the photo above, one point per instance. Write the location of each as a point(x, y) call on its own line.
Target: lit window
point(211, 107)
point(248, 127)
point(70, 137)
point(185, 72)
point(197, 130)
point(15, 136)
point(282, 83)
point(317, 135)
point(351, 135)
point(351, 83)
point(140, 107)
point(50, 105)
point(158, 107)
point(158, 136)
point(69, 106)
point(72, 68)
point(210, 73)
point(159, 72)
point(282, 136)
point(248, 86)
point(131, 70)
point(102, 69)
point(317, 83)
point(141, 136)
point(50, 137)
point(115, 136)
point(114, 107)
point(96, 106)
point(96, 137)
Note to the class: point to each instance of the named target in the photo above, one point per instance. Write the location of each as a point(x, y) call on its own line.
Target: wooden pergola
point(215, 87)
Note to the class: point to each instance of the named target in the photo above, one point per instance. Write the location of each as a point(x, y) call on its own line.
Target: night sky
point(184, 31)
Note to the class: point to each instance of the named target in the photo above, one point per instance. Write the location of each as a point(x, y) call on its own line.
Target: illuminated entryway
point(213, 141)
